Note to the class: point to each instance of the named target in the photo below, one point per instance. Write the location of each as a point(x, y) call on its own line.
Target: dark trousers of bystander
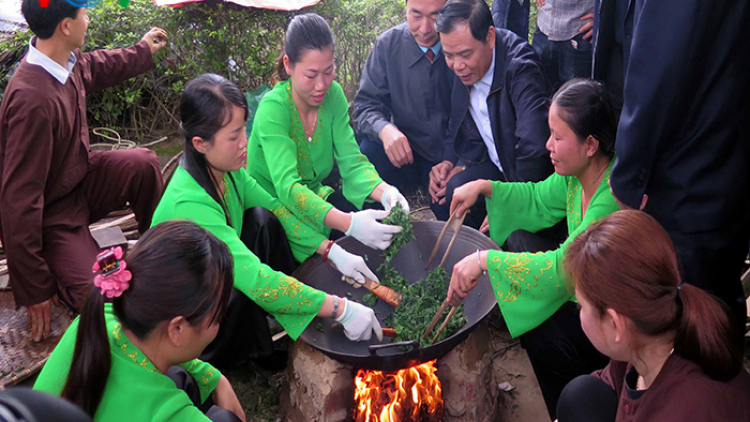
point(414, 175)
point(563, 60)
point(713, 260)
point(558, 349)
point(244, 332)
point(114, 178)
point(486, 170)
point(184, 381)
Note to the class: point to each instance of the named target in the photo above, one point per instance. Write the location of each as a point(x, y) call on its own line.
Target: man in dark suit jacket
point(498, 125)
point(512, 15)
point(682, 141)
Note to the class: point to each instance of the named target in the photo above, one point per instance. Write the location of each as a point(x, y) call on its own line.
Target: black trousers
point(558, 349)
point(244, 333)
point(184, 381)
point(587, 399)
point(713, 261)
point(24, 404)
point(486, 170)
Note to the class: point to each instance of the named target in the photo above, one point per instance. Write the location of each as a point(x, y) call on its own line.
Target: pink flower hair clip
point(113, 277)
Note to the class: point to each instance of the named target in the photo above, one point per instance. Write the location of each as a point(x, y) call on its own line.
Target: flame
point(412, 394)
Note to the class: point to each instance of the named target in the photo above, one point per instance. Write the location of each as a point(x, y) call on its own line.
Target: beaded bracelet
point(328, 250)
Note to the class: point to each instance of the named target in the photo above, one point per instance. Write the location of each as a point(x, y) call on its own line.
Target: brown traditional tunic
point(681, 392)
point(45, 157)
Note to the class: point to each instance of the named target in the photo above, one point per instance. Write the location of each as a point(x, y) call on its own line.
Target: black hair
point(206, 107)
point(587, 108)
point(178, 269)
point(305, 32)
point(475, 13)
point(43, 21)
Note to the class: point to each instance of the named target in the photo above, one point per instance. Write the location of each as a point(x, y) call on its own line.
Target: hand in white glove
point(391, 197)
point(366, 228)
point(359, 322)
point(350, 265)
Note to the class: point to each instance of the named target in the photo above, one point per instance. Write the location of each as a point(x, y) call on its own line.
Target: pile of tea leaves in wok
point(421, 300)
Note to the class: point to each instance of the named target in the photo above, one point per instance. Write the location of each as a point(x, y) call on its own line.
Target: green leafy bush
point(239, 43)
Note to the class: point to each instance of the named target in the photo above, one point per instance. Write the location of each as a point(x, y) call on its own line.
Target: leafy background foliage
point(239, 43)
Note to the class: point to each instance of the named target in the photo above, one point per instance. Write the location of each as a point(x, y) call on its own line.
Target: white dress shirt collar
point(58, 72)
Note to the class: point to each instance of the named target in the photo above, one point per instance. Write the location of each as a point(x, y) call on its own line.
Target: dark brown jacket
point(44, 156)
point(680, 393)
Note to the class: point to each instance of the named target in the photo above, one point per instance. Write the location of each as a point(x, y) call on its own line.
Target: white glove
point(359, 322)
point(391, 197)
point(366, 228)
point(350, 265)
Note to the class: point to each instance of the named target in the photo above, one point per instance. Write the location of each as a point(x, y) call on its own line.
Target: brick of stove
point(321, 389)
point(470, 391)
point(317, 388)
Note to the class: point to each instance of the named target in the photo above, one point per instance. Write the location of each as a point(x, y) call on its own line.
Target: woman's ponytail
point(627, 262)
point(92, 358)
point(176, 269)
point(705, 334)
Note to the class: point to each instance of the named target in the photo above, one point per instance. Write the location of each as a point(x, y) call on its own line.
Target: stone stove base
point(321, 389)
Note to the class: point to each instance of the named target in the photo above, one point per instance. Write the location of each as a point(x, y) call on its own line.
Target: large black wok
point(410, 262)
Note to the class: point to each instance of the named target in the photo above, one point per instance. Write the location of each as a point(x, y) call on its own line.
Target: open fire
point(412, 394)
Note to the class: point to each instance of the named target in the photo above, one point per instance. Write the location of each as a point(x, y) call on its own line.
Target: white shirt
point(478, 108)
point(58, 72)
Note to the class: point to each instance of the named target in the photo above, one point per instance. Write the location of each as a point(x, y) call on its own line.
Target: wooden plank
point(109, 237)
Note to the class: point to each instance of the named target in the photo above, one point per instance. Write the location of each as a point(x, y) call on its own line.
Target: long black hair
point(588, 109)
point(179, 269)
point(305, 32)
point(206, 107)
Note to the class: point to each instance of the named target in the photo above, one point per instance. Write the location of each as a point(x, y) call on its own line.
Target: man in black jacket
point(682, 142)
point(498, 125)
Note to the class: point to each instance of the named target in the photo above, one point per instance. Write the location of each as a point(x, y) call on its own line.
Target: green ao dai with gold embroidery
point(293, 304)
point(135, 389)
point(530, 287)
point(292, 168)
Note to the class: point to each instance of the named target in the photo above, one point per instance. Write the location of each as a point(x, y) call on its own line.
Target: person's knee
point(442, 212)
point(219, 414)
point(379, 159)
point(261, 220)
point(141, 162)
point(146, 160)
point(516, 241)
point(368, 147)
point(373, 151)
point(454, 183)
point(262, 216)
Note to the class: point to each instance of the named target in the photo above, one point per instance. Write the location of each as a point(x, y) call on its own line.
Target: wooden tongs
point(386, 293)
point(454, 223)
point(455, 302)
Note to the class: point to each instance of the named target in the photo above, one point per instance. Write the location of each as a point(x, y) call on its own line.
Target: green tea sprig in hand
point(397, 217)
